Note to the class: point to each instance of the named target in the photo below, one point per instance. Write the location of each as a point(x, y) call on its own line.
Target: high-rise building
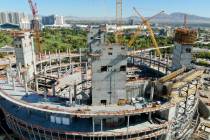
point(52, 20)
point(12, 17)
point(48, 20)
point(59, 20)
point(3, 17)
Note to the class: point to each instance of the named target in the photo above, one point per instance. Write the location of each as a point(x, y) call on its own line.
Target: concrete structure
point(182, 54)
point(85, 100)
point(25, 54)
point(109, 75)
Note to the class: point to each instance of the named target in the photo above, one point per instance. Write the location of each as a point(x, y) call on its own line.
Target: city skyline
point(106, 8)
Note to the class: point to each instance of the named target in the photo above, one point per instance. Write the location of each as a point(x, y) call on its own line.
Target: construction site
point(105, 92)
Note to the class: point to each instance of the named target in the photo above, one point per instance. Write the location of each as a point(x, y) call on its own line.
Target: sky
point(106, 8)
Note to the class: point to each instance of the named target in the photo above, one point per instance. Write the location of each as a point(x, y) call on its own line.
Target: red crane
point(35, 25)
point(33, 7)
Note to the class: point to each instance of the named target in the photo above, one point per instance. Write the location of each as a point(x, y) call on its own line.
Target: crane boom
point(138, 30)
point(149, 28)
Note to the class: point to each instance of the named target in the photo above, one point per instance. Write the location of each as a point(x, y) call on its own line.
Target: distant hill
point(162, 18)
point(179, 18)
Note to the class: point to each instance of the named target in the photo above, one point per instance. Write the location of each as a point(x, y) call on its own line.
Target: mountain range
point(162, 18)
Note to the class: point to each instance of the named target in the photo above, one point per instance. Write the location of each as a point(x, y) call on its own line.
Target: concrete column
point(150, 63)
point(18, 72)
point(70, 96)
point(45, 94)
point(34, 61)
point(67, 52)
point(86, 69)
point(59, 60)
point(25, 83)
point(36, 84)
point(159, 65)
point(13, 82)
point(20, 67)
point(50, 60)
point(150, 117)
point(10, 64)
point(41, 67)
point(101, 124)
point(45, 70)
point(80, 56)
point(155, 55)
point(53, 89)
point(166, 70)
point(93, 123)
point(66, 69)
point(70, 61)
point(58, 73)
point(8, 77)
point(152, 92)
point(45, 54)
point(128, 124)
point(75, 91)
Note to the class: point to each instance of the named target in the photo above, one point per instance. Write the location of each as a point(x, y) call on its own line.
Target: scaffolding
point(185, 36)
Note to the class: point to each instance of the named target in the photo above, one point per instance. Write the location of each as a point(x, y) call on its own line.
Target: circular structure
point(107, 95)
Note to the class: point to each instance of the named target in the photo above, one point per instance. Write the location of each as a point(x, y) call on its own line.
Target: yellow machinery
point(149, 28)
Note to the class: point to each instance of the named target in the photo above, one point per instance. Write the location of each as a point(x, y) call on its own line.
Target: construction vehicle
point(149, 28)
point(35, 26)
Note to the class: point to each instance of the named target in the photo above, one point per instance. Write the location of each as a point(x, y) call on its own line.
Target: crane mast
point(35, 25)
point(118, 21)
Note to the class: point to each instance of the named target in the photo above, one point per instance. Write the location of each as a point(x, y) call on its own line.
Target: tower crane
point(35, 25)
point(149, 28)
point(118, 33)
